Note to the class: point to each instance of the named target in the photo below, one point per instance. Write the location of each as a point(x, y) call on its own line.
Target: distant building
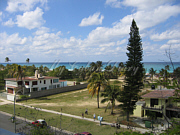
point(33, 83)
point(158, 101)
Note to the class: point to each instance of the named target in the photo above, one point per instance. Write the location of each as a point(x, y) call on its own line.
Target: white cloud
point(139, 4)
point(122, 42)
point(113, 3)
point(23, 5)
point(144, 19)
point(95, 19)
point(0, 16)
point(42, 30)
point(174, 46)
point(13, 45)
point(31, 20)
point(169, 34)
point(173, 41)
point(9, 23)
point(144, 4)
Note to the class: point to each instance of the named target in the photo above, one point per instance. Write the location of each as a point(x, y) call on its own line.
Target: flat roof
point(31, 78)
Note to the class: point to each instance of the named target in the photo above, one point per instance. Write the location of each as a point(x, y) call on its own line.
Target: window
point(58, 85)
point(40, 81)
point(44, 88)
point(35, 89)
point(44, 81)
point(51, 81)
point(34, 83)
point(55, 80)
point(154, 102)
point(26, 82)
point(28, 90)
point(20, 83)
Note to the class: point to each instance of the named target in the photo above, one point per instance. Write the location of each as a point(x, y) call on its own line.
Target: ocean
point(71, 65)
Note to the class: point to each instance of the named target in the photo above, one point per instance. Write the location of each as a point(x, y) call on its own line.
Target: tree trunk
point(127, 116)
point(98, 97)
point(112, 109)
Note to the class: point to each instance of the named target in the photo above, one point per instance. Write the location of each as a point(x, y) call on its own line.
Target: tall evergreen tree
point(134, 71)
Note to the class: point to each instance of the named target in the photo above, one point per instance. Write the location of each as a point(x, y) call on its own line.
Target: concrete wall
point(138, 111)
point(48, 92)
point(11, 97)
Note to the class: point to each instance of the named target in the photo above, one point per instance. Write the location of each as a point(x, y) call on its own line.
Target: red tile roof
point(8, 86)
point(62, 80)
point(159, 94)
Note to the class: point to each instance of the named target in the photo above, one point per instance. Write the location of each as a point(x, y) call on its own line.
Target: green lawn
point(66, 123)
point(75, 103)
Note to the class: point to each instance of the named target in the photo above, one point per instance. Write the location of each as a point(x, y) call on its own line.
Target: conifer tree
point(134, 71)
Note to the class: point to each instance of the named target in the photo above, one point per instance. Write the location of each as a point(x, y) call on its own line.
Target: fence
point(48, 92)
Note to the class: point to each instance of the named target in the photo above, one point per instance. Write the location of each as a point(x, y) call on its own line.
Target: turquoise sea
point(71, 65)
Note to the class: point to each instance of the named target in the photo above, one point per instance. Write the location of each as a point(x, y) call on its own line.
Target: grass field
point(62, 122)
point(75, 103)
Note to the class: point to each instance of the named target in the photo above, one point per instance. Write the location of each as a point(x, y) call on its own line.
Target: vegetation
point(152, 72)
point(134, 73)
point(95, 81)
point(27, 60)
point(67, 123)
point(110, 93)
point(7, 59)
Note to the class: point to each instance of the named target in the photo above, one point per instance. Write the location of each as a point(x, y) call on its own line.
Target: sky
point(87, 30)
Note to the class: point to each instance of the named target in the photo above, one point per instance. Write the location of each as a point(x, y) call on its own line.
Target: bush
point(23, 96)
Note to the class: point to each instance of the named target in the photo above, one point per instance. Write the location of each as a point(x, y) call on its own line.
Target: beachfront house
point(158, 101)
point(33, 83)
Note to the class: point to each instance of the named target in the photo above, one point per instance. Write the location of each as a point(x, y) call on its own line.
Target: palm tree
point(19, 74)
point(110, 93)
point(93, 66)
point(99, 66)
point(7, 59)
point(96, 80)
point(152, 72)
point(27, 60)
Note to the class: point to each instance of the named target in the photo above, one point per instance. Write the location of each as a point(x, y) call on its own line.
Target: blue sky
point(87, 30)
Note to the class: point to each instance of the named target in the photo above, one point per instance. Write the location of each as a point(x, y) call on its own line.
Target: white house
point(34, 83)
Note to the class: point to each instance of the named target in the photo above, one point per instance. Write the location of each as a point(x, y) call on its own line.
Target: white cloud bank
point(31, 19)
point(95, 19)
point(23, 5)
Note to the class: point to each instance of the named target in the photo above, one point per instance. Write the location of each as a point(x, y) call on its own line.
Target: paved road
point(6, 123)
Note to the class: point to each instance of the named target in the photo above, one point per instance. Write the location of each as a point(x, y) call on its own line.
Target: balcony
point(155, 108)
point(173, 108)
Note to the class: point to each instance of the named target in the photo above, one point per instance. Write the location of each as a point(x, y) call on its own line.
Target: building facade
point(159, 102)
point(33, 83)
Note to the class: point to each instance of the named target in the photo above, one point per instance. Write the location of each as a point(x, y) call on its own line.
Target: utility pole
point(15, 111)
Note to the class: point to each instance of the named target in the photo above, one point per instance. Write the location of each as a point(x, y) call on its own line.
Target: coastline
point(72, 65)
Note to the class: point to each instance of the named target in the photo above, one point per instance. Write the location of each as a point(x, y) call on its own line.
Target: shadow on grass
point(44, 98)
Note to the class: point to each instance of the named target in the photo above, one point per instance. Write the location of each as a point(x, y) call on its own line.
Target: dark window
point(154, 102)
point(51, 80)
point(20, 83)
point(40, 81)
point(166, 100)
point(26, 82)
point(44, 81)
point(55, 80)
point(44, 88)
point(35, 89)
point(34, 82)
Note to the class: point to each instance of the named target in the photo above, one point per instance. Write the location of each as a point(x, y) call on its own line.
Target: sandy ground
point(89, 102)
